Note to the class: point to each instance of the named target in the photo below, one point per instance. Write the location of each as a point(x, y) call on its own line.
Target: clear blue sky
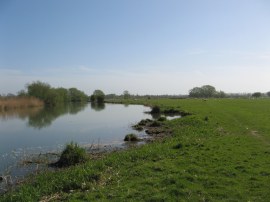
point(144, 46)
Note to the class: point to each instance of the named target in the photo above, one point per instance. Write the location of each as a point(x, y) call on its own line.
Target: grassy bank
point(19, 102)
point(220, 152)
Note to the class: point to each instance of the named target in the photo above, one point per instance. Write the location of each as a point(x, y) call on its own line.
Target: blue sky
point(144, 46)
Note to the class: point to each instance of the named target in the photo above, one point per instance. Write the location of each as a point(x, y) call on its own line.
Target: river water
point(37, 131)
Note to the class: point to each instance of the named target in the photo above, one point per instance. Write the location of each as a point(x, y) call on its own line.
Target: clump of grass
point(155, 124)
point(72, 154)
point(171, 111)
point(131, 138)
point(155, 110)
point(162, 118)
point(178, 146)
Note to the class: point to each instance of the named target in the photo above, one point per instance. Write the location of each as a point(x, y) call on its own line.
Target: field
point(219, 153)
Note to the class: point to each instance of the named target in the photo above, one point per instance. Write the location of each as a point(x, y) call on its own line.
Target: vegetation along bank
point(221, 152)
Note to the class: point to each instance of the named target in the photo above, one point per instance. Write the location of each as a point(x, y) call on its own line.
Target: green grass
point(225, 157)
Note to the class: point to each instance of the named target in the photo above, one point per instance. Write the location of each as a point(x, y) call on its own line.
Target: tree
point(22, 93)
point(195, 92)
point(38, 89)
point(208, 91)
point(268, 94)
point(54, 96)
point(205, 91)
point(98, 96)
point(257, 94)
point(220, 94)
point(76, 95)
point(126, 94)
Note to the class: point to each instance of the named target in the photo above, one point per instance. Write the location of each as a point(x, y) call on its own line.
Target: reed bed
point(19, 102)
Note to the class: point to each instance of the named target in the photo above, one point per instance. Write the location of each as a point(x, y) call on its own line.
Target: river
point(26, 133)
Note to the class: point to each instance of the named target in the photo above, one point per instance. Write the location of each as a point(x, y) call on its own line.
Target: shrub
point(72, 155)
point(155, 110)
point(131, 138)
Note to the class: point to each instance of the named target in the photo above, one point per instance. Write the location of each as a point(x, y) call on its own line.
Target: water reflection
point(48, 114)
point(21, 113)
point(40, 117)
point(82, 123)
point(97, 106)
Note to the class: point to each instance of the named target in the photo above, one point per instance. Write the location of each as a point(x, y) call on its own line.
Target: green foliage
point(39, 90)
point(97, 96)
point(77, 95)
point(22, 93)
point(73, 154)
point(53, 96)
point(257, 94)
point(223, 159)
point(126, 94)
point(155, 110)
point(131, 138)
point(206, 91)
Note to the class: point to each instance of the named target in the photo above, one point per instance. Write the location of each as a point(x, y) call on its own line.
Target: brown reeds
point(19, 102)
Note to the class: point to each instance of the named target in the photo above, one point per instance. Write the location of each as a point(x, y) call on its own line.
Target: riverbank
point(19, 102)
point(220, 152)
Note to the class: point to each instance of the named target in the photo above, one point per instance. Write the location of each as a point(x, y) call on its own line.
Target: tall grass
point(19, 102)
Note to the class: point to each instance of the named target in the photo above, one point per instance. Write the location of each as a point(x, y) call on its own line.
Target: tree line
point(208, 91)
point(54, 96)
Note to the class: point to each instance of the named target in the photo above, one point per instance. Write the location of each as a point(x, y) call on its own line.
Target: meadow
point(219, 153)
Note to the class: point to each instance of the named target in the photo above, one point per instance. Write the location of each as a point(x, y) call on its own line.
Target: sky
point(143, 46)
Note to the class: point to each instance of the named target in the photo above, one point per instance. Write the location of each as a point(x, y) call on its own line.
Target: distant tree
point(92, 98)
point(268, 94)
point(195, 92)
point(98, 96)
point(126, 94)
point(257, 94)
point(63, 94)
point(205, 91)
point(220, 94)
point(38, 89)
point(76, 95)
point(22, 93)
point(208, 91)
point(110, 96)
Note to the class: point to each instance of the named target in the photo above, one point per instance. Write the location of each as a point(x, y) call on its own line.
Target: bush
point(131, 138)
point(73, 154)
point(155, 110)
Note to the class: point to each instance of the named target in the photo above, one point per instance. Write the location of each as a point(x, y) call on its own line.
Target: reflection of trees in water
point(76, 107)
point(21, 113)
point(48, 114)
point(97, 106)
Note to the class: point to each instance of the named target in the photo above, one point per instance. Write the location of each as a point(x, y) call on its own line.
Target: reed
point(19, 102)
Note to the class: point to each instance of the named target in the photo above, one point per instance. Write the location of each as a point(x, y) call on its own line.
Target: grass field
point(219, 153)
